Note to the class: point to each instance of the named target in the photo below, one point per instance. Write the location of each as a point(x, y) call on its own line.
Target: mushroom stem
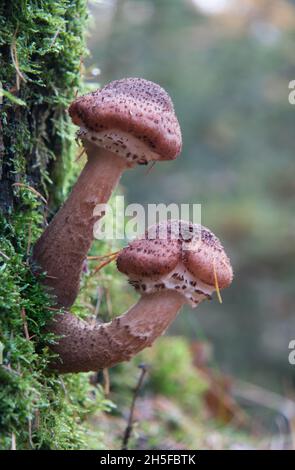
point(89, 347)
point(63, 247)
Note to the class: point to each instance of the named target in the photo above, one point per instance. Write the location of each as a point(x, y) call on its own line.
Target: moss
point(39, 409)
point(45, 39)
point(182, 383)
point(171, 373)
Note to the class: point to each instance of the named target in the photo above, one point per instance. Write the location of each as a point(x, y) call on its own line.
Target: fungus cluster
point(128, 122)
point(166, 276)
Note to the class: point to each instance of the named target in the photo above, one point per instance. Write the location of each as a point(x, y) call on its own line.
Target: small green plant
point(38, 409)
point(172, 372)
point(41, 45)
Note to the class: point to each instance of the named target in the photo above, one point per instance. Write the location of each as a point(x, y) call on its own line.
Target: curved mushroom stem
point(87, 347)
point(63, 247)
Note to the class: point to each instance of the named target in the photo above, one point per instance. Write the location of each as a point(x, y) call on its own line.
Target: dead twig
point(13, 442)
point(4, 255)
point(106, 381)
point(54, 38)
point(29, 240)
point(14, 58)
point(30, 434)
point(55, 309)
point(129, 428)
point(24, 318)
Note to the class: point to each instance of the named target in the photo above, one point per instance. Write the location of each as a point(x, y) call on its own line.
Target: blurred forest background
point(227, 65)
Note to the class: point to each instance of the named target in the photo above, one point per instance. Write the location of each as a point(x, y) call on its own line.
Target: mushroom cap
point(177, 254)
point(131, 106)
point(149, 258)
point(206, 258)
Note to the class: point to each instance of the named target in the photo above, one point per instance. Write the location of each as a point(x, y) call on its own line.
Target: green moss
point(46, 40)
point(40, 409)
point(173, 374)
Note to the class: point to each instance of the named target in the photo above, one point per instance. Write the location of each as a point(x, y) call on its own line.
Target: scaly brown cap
point(149, 258)
point(206, 256)
point(177, 255)
point(132, 117)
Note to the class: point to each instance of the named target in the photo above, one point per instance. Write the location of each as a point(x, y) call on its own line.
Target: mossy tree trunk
point(41, 48)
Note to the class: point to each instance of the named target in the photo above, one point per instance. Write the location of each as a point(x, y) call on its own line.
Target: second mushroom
point(175, 263)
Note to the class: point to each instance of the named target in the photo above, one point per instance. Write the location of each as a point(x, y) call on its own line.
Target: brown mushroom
point(128, 122)
point(166, 278)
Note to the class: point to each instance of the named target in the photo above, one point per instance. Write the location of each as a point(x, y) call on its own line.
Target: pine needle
point(216, 283)
point(105, 263)
point(80, 154)
point(150, 168)
point(14, 58)
point(108, 255)
point(33, 190)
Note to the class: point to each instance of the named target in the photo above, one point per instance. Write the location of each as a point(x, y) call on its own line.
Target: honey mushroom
point(128, 122)
point(184, 267)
